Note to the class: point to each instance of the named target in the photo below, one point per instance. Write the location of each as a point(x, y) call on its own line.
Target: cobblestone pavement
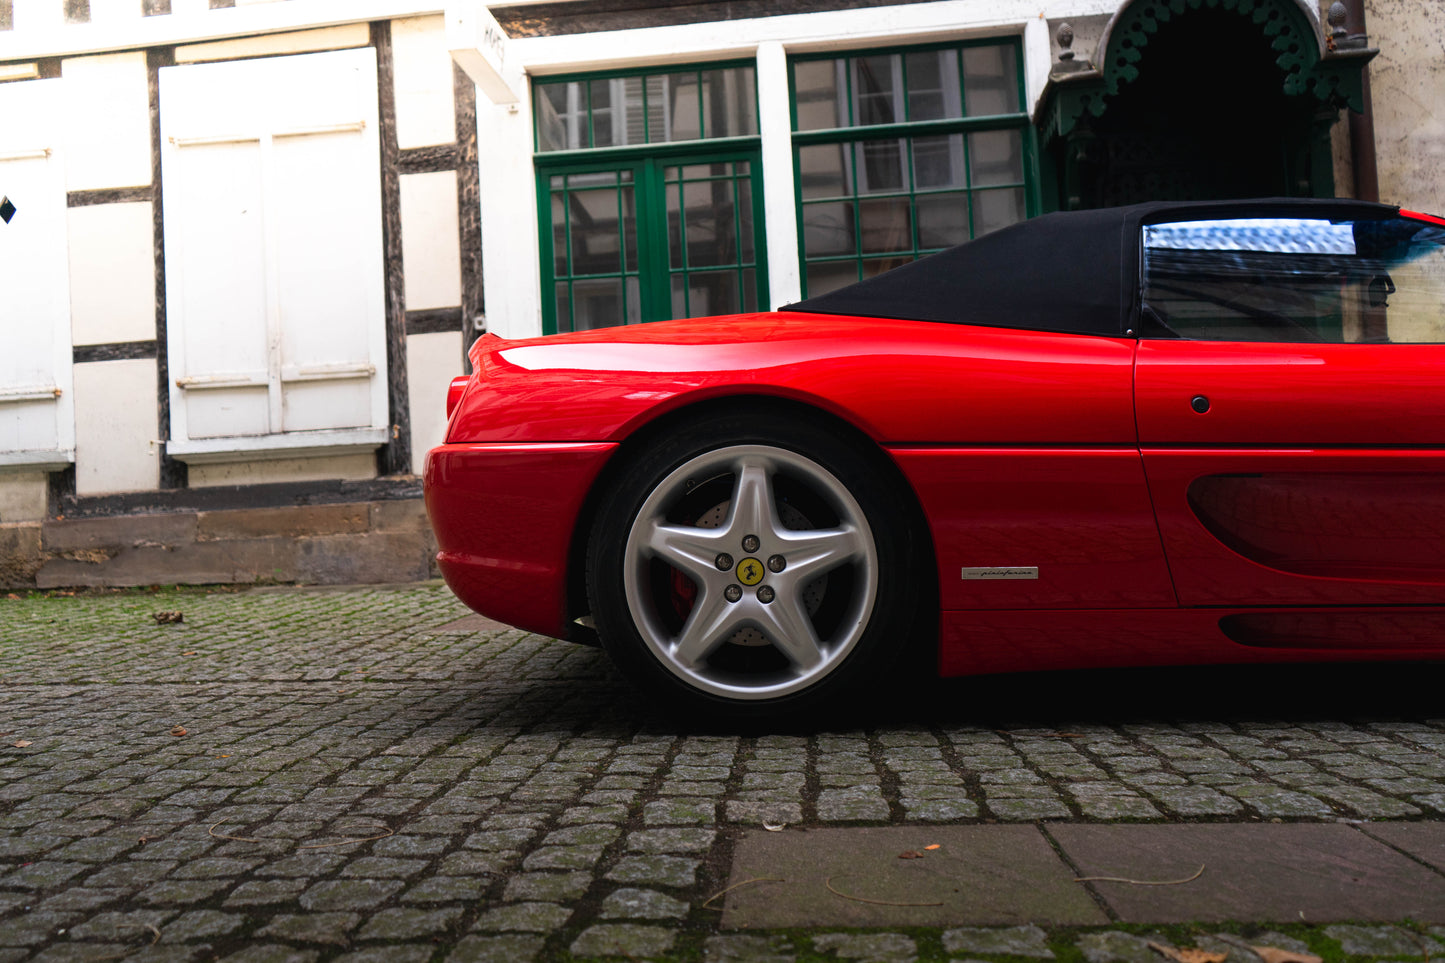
point(313, 775)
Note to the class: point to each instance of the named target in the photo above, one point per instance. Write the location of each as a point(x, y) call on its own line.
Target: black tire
point(698, 632)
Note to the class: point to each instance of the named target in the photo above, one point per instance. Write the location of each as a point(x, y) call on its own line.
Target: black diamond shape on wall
point(7, 210)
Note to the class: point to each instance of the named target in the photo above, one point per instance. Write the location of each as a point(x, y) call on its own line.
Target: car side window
point(1295, 280)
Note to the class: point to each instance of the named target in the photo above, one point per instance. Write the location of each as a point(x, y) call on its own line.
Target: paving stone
point(547, 887)
point(1252, 871)
point(1112, 946)
point(642, 904)
point(872, 947)
point(266, 892)
point(388, 954)
point(121, 926)
point(181, 892)
point(406, 924)
point(1382, 941)
point(271, 953)
point(747, 949)
point(511, 948)
point(656, 870)
point(979, 874)
point(681, 840)
point(446, 889)
point(1027, 941)
point(350, 894)
point(623, 939)
point(680, 812)
point(524, 917)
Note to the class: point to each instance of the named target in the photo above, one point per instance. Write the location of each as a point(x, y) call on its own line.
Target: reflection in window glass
point(867, 203)
point(1296, 280)
point(646, 108)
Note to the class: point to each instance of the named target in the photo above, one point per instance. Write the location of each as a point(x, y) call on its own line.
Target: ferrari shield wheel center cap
point(750, 571)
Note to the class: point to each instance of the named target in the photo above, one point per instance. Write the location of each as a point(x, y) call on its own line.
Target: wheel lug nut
point(765, 594)
point(724, 561)
point(777, 563)
point(751, 543)
point(732, 593)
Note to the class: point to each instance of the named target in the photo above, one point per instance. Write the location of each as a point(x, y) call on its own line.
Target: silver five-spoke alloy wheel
point(783, 557)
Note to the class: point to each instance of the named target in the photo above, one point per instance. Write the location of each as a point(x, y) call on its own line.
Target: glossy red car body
point(1300, 517)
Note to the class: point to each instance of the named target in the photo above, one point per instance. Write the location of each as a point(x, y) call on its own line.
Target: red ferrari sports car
point(1163, 434)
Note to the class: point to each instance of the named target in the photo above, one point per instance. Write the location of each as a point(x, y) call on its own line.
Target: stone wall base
point(335, 544)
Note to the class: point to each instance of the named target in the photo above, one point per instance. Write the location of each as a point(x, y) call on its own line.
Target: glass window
point(935, 178)
point(1295, 279)
point(646, 108)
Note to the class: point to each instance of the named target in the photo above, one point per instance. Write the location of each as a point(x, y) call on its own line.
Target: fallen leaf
point(910, 854)
point(933, 847)
point(1189, 954)
point(1273, 954)
point(178, 731)
point(168, 618)
point(22, 743)
point(188, 653)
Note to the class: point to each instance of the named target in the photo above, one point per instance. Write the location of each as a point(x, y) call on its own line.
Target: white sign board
point(478, 44)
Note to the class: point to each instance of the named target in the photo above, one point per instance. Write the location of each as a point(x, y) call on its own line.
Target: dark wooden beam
point(118, 195)
point(172, 472)
point(469, 208)
point(393, 458)
point(115, 351)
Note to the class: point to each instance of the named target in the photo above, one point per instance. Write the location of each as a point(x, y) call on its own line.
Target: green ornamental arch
point(1310, 63)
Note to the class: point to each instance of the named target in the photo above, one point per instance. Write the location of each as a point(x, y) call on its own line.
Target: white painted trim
point(511, 262)
point(780, 206)
point(296, 444)
point(801, 32)
point(68, 40)
point(47, 460)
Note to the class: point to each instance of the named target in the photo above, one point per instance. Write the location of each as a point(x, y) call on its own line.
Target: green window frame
point(897, 154)
point(655, 269)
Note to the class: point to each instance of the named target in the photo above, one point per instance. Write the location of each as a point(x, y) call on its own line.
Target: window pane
point(828, 229)
point(938, 162)
point(824, 171)
point(634, 301)
point(881, 166)
point(595, 233)
point(729, 103)
point(876, 266)
point(679, 295)
point(596, 303)
point(745, 219)
point(942, 220)
point(559, 233)
point(819, 94)
point(996, 157)
point(877, 89)
point(990, 80)
point(997, 208)
point(629, 228)
point(564, 308)
point(710, 227)
point(678, 98)
point(616, 112)
point(750, 290)
point(674, 224)
point(712, 292)
point(826, 277)
point(933, 88)
point(886, 224)
point(561, 116)
point(1289, 279)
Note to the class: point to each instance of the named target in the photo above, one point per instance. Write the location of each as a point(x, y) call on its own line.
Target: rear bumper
point(504, 517)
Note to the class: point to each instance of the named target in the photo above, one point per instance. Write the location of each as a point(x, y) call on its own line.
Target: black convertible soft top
point(1075, 271)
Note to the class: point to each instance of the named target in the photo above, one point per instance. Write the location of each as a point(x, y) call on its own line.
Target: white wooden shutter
point(37, 418)
point(272, 189)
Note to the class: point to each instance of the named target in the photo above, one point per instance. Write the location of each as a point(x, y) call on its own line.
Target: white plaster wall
point(1407, 86)
point(430, 244)
point(112, 273)
point(432, 361)
point(115, 427)
point(37, 14)
point(274, 44)
point(107, 121)
point(425, 105)
point(23, 496)
point(115, 11)
point(352, 467)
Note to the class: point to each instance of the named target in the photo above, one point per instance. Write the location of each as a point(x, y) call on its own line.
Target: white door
point(37, 422)
point(272, 191)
